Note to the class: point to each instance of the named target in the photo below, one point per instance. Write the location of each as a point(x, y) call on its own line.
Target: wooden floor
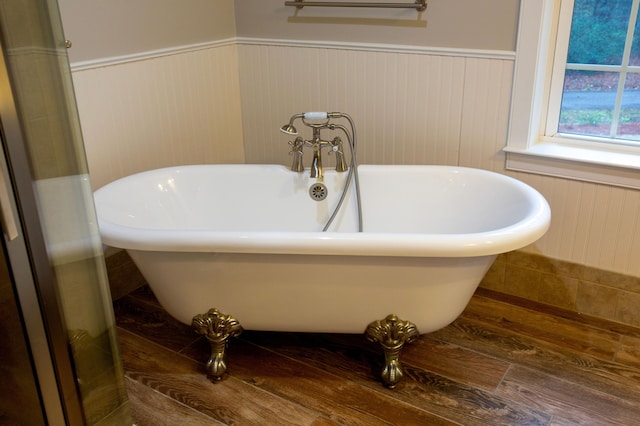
point(498, 364)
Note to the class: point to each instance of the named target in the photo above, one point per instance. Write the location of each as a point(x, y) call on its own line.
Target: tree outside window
point(601, 94)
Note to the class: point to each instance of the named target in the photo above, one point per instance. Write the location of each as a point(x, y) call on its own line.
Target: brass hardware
point(419, 5)
point(316, 161)
point(318, 191)
point(392, 333)
point(316, 143)
point(337, 150)
point(68, 44)
point(218, 328)
point(319, 121)
point(296, 151)
point(316, 165)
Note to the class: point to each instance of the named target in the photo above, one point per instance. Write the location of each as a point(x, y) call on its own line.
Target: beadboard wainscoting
point(592, 224)
point(225, 103)
point(409, 108)
point(159, 109)
point(424, 107)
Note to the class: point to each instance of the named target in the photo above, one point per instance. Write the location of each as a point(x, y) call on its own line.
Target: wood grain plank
point(448, 360)
point(338, 399)
point(581, 369)
point(559, 421)
point(573, 403)
point(629, 351)
point(152, 322)
point(151, 408)
point(559, 331)
point(455, 362)
point(426, 390)
point(499, 363)
point(145, 294)
point(184, 380)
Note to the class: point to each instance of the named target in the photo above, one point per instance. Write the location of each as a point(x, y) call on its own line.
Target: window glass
point(634, 60)
point(575, 109)
point(598, 31)
point(588, 102)
point(629, 121)
point(601, 83)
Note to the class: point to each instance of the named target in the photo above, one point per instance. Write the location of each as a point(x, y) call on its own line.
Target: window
point(576, 98)
point(601, 77)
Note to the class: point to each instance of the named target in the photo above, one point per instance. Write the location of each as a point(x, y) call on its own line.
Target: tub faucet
point(337, 149)
point(317, 121)
point(316, 161)
point(296, 152)
point(325, 120)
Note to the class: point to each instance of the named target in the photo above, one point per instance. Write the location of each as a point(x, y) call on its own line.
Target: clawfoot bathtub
point(247, 240)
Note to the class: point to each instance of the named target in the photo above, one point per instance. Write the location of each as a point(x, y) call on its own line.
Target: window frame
point(529, 148)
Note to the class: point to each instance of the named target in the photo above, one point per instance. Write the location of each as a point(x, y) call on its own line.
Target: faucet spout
point(316, 161)
point(316, 165)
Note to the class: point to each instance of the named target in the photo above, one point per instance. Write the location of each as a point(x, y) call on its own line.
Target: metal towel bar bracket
point(419, 5)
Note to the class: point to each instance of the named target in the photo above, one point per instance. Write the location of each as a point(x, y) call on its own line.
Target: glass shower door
point(54, 214)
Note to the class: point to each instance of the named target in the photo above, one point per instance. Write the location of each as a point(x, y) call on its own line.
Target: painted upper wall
point(470, 24)
point(122, 27)
point(105, 29)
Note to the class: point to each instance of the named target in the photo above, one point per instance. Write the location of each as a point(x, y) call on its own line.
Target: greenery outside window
point(576, 96)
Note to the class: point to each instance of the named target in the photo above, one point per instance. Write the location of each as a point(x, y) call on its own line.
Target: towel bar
point(419, 5)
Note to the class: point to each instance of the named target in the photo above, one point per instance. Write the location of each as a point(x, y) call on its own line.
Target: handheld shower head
point(289, 129)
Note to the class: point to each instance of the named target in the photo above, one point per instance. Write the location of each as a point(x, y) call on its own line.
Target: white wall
point(156, 83)
point(105, 29)
point(180, 108)
point(444, 105)
point(409, 108)
point(472, 24)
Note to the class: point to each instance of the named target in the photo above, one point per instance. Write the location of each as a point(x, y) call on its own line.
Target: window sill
point(618, 166)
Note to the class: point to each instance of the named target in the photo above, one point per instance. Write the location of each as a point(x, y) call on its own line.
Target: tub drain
point(318, 191)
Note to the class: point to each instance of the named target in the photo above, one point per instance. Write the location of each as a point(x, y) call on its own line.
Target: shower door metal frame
point(27, 252)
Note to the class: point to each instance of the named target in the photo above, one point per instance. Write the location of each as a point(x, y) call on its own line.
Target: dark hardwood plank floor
point(503, 362)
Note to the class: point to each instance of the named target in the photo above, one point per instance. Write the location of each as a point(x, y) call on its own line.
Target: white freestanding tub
point(247, 240)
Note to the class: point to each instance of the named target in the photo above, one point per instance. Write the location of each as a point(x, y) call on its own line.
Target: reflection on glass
point(41, 79)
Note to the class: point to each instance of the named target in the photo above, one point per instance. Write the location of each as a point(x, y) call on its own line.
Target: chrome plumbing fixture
point(316, 161)
point(319, 121)
point(419, 5)
point(296, 151)
point(337, 150)
point(318, 191)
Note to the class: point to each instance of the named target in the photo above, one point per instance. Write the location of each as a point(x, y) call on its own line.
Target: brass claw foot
point(392, 333)
point(217, 328)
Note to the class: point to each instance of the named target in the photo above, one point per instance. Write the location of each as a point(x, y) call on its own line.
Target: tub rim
point(518, 235)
